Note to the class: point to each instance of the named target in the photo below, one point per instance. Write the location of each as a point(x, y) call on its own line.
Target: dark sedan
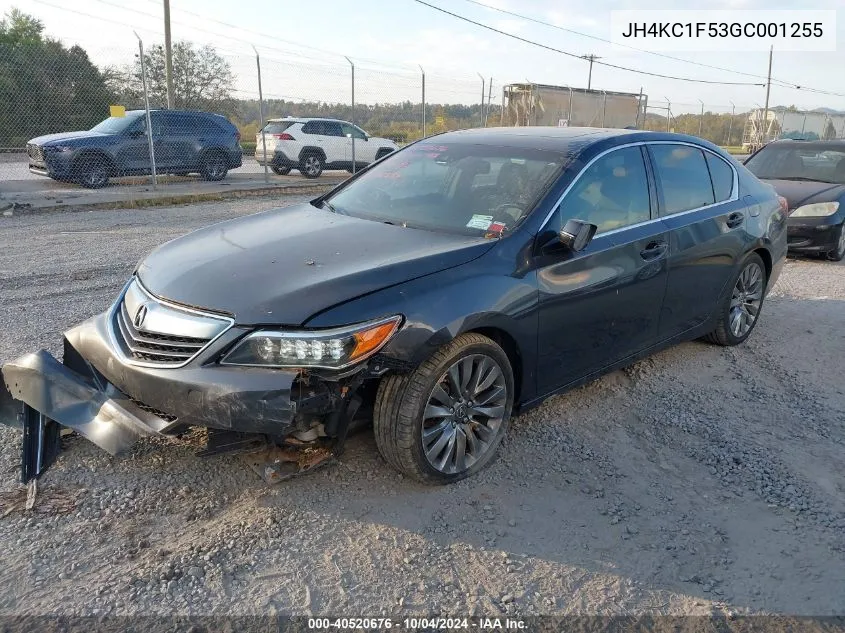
point(466, 277)
point(811, 176)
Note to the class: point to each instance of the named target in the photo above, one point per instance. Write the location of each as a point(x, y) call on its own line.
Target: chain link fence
point(76, 121)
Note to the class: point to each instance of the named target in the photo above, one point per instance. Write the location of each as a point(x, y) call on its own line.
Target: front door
point(602, 304)
point(699, 205)
point(365, 151)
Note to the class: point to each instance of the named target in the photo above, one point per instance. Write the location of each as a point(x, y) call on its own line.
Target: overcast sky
point(302, 45)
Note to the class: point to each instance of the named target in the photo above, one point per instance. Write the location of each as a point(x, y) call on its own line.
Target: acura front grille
point(151, 332)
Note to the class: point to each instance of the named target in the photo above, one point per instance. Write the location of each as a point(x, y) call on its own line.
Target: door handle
point(735, 219)
point(654, 250)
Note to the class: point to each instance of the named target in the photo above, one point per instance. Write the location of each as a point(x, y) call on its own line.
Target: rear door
point(174, 140)
point(602, 304)
point(335, 144)
point(698, 202)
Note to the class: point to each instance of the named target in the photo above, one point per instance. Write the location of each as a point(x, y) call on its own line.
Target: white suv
point(312, 145)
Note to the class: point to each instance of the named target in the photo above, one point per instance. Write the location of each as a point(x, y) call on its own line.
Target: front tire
point(280, 171)
point(214, 167)
point(838, 253)
point(444, 421)
point(740, 311)
point(92, 172)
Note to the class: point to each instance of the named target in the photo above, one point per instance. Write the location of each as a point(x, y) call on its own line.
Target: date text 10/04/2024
point(416, 623)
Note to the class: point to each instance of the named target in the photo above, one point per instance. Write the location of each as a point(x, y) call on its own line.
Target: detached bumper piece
point(51, 394)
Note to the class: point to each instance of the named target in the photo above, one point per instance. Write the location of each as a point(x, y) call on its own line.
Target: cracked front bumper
point(114, 403)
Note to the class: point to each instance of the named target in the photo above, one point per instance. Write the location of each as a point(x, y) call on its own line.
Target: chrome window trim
point(733, 197)
point(126, 360)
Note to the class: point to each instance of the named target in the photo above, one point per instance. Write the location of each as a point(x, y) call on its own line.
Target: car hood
point(801, 192)
point(49, 139)
point(284, 266)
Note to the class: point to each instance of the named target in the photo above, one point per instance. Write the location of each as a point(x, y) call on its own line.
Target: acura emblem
point(140, 315)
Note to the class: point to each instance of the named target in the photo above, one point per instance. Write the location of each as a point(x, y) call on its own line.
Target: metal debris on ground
point(48, 500)
point(278, 463)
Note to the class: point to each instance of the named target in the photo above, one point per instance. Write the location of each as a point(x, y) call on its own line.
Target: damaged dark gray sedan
point(453, 283)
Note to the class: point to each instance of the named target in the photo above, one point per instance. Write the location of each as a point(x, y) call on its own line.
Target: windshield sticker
point(495, 230)
point(482, 222)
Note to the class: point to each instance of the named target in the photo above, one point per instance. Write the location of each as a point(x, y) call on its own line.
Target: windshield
point(115, 124)
point(453, 187)
point(790, 162)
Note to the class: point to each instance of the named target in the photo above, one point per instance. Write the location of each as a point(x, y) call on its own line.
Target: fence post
point(422, 70)
point(701, 118)
point(731, 124)
point(354, 167)
point(261, 114)
point(147, 108)
point(489, 100)
point(482, 98)
point(603, 107)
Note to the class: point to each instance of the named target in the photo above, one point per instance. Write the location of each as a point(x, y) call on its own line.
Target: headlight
point(817, 210)
point(328, 349)
point(57, 148)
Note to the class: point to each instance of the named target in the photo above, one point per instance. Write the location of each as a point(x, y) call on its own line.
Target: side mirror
point(349, 135)
point(576, 234)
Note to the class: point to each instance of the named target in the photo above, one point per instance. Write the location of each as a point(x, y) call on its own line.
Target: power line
point(567, 53)
point(782, 83)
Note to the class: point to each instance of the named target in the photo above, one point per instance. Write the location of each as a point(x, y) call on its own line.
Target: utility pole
point(591, 58)
point(768, 89)
point(168, 55)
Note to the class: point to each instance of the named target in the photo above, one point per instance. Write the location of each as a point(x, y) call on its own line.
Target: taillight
point(284, 137)
point(784, 205)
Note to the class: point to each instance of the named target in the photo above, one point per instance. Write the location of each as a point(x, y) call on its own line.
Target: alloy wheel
point(464, 414)
point(312, 165)
point(215, 167)
point(746, 300)
point(93, 175)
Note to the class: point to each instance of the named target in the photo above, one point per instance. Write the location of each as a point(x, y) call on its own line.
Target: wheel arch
point(509, 345)
point(94, 153)
point(309, 150)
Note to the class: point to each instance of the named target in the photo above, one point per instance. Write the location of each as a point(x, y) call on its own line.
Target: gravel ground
point(701, 480)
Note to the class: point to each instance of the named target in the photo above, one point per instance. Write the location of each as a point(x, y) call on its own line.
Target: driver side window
point(611, 193)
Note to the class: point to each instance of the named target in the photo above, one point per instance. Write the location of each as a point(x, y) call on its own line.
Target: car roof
point(566, 139)
point(301, 119)
point(192, 112)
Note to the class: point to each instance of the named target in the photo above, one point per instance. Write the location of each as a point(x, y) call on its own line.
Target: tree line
point(47, 87)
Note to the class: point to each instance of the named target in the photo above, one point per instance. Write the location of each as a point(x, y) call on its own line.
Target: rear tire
point(92, 172)
point(311, 165)
point(740, 310)
point(422, 419)
point(214, 167)
point(838, 253)
point(280, 171)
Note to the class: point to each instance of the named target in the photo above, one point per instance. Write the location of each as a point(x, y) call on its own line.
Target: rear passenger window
point(314, 127)
point(722, 176)
point(682, 177)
